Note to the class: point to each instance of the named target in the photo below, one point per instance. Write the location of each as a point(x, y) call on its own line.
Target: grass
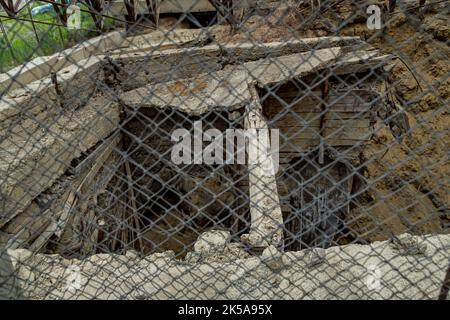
point(24, 46)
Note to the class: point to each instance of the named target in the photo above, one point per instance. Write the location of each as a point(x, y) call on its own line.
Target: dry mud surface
point(411, 268)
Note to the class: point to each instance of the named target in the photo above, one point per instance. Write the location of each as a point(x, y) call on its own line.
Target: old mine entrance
point(116, 188)
point(173, 203)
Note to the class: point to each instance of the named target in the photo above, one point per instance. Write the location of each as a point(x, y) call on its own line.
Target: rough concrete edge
point(231, 49)
point(12, 102)
point(41, 67)
point(271, 265)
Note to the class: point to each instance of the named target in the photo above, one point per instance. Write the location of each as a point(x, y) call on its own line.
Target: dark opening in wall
point(189, 20)
point(159, 205)
point(319, 132)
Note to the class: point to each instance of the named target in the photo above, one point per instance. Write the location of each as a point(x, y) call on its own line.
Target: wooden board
point(292, 134)
point(32, 160)
point(339, 102)
point(346, 120)
point(297, 121)
point(75, 200)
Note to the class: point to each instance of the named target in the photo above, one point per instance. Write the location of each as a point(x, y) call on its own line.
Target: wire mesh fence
point(225, 150)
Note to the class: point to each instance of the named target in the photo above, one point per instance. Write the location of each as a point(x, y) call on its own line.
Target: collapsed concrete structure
point(66, 137)
point(86, 173)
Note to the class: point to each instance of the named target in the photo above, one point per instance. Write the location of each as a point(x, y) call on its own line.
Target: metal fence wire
point(206, 149)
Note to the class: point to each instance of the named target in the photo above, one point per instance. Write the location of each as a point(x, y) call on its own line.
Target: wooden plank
point(72, 200)
point(307, 117)
point(335, 94)
point(339, 102)
point(104, 152)
point(82, 217)
point(303, 145)
point(308, 133)
point(24, 227)
point(265, 211)
point(31, 163)
point(292, 121)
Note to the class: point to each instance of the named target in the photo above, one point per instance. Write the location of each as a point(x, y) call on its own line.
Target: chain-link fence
point(224, 149)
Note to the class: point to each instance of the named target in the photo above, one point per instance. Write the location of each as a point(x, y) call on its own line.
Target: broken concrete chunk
point(314, 257)
point(225, 89)
point(146, 67)
point(132, 254)
point(161, 40)
point(44, 101)
point(19, 256)
point(307, 258)
point(231, 252)
point(272, 257)
point(250, 51)
point(407, 244)
point(212, 240)
point(161, 278)
point(41, 67)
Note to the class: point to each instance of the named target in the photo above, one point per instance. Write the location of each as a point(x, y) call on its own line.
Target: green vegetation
point(22, 43)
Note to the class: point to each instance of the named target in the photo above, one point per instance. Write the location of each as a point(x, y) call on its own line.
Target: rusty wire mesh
point(348, 197)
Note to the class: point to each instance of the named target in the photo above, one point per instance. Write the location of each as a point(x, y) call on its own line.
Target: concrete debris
point(344, 274)
point(272, 257)
point(212, 240)
point(408, 245)
point(230, 252)
point(215, 246)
